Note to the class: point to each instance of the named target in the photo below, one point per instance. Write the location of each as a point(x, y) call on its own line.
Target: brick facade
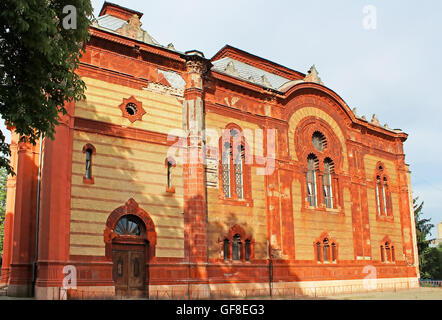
point(147, 105)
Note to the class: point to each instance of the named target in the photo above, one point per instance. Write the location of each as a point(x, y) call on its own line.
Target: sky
point(392, 69)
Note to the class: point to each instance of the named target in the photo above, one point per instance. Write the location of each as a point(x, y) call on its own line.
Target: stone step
point(3, 290)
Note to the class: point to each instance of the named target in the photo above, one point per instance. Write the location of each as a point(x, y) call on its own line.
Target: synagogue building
point(183, 176)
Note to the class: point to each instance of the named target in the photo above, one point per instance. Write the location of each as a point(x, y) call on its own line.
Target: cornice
point(116, 38)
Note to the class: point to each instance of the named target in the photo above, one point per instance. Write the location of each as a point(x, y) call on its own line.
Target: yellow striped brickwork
point(379, 229)
point(163, 113)
point(308, 226)
point(221, 216)
point(125, 168)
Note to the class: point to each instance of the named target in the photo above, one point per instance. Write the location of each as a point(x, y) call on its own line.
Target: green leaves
point(3, 179)
point(37, 62)
point(430, 259)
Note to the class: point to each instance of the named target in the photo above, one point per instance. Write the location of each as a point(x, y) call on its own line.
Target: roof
point(110, 22)
point(248, 73)
point(119, 11)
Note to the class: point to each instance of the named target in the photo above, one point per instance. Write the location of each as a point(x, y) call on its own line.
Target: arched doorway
point(128, 256)
point(130, 243)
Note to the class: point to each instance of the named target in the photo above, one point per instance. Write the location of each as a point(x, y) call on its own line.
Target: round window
point(131, 108)
point(319, 141)
point(129, 225)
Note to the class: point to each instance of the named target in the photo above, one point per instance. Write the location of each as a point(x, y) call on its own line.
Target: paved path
point(412, 294)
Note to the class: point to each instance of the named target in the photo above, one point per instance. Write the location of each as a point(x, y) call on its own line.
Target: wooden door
point(129, 270)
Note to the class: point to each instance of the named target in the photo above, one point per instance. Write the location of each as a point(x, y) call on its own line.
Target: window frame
point(228, 170)
point(89, 149)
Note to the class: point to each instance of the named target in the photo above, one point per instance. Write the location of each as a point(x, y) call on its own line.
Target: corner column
point(195, 205)
point(54, 220)
point(22, 220)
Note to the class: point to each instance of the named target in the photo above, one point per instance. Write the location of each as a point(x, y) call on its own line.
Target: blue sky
point(393, 71)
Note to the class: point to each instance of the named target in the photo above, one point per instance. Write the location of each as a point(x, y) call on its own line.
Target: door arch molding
point(131, 207)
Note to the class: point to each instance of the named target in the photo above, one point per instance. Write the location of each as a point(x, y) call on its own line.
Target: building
point(185, 176)
point(438, 240)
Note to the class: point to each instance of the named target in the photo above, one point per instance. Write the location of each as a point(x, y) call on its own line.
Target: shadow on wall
point(122, 168)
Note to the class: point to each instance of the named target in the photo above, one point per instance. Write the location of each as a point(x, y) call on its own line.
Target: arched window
point(129, 225)
point(312, 166)
point(327, 183)
point(378, 198)
point(247, 250)
point(326, 249)
point(88, 164)
point(226, 169)
point(383, 197)
point(239, 172)
point(333, 247)
point(89, 151)
point(319, 141)
point(236, 247)
point(387, 251)
point(170, 165)
point(226, 249)
point(318, 251)
point(233, 166)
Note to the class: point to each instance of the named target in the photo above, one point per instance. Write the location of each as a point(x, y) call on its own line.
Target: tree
point(41, 42)
point(3, 178)
point(429, 258)
point(423, 226)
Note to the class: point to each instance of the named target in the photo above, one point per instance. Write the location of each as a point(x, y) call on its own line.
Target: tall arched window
point(88, 164)
point(226, 249)
point(236, 247)
point(312, 166)
point(327, 183)
point(233, 166)
point(326, 249)
point(89, 151)
point(333, 247)
point(247, 249)
point(318, 251)
point(383, 197)
point(170, 165)
point(226, 169)
point(239, 172)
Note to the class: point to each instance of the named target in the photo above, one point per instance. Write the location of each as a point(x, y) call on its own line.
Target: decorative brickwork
point(311, 194)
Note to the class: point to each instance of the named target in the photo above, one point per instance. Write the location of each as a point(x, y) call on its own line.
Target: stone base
point(21, 291)
point(80, 293)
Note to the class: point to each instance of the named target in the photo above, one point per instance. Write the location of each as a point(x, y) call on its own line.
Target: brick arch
point(237, 229)
point(331, 240)
point(391, 256)
point(247, 166)
point(310, 111)
point(326, 97)
point(131, 207)
point(304, 145)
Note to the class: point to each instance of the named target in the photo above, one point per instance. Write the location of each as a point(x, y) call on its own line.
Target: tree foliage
point(3, 178)
point(38, 56)
point(430, 259)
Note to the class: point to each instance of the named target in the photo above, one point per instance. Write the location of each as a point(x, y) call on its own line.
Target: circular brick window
point(131, 109)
